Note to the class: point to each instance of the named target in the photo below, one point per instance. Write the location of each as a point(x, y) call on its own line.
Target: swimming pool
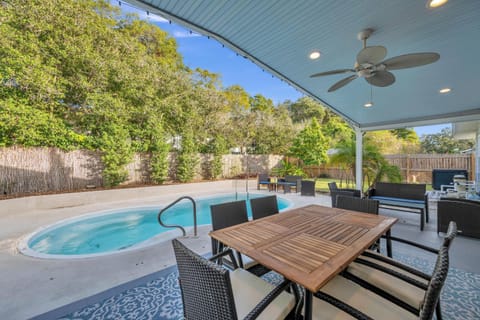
point(122, 229)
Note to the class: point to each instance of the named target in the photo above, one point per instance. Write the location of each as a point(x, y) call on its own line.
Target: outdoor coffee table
point(307, 245)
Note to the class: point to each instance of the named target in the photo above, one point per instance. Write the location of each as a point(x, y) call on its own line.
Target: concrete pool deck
point(31, 286)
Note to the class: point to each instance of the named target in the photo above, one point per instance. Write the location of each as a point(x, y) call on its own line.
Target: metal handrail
point(178, 226)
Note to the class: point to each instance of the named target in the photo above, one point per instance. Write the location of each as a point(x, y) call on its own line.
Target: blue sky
point(200, 52)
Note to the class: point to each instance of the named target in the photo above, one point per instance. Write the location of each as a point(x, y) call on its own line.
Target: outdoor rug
point(157, 296)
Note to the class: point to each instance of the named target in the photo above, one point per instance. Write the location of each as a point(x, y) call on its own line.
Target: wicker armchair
point(263, 179)
point(341, 297)
point(396, 281)
point(335, 192)
point(308, 188)
point(264, 206)
point(465, 212)
point(226, 215)
point(211, 292)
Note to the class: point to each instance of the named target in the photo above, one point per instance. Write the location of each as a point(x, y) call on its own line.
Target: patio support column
point(477, 160)
point(358, 159)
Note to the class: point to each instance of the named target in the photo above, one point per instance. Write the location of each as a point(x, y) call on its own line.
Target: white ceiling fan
point(371, 66)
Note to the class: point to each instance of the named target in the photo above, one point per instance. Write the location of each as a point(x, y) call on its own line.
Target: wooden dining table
point(308, 245)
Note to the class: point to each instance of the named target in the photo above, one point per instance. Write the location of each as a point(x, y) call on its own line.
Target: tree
point(443, 142)
point(187, 158)
point(305, 109)
point(375, 167)
point(407, 134)
point(389, 143)
point(310, 145)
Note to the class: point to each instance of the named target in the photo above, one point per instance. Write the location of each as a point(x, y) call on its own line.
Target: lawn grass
point(321, 184)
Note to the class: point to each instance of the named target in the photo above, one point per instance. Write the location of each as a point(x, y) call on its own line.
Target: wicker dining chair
point(362, 205)
point(264, 206)
point(335, 192)
point(226, 215)
point(341, 297)
point(357, 204)
point(211, 292)
point(403, 284)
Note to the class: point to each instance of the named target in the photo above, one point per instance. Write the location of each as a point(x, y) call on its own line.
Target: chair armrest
point(225, 252)
point(414, 244)
point(267, 300)
point(357, 314)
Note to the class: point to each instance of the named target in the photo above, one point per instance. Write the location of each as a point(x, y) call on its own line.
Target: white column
point(477, 160)
point(358, 159)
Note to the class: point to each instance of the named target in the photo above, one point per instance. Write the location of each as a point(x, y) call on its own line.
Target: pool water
point(124, 228)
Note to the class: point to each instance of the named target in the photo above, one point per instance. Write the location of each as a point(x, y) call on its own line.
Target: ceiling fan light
point(436, 3)
point(314, 55)
point(368, 104)
point(445, 90)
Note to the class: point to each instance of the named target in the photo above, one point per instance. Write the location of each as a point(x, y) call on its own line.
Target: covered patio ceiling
point(279, 35)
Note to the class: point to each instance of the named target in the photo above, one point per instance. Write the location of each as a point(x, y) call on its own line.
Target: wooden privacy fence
point(418, 167)
point(415, 168)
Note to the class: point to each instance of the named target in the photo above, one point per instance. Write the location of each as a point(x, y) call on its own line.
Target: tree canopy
point(443, 142)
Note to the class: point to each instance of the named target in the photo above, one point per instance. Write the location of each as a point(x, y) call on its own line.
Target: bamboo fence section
point(39, 170)
point(31, 170)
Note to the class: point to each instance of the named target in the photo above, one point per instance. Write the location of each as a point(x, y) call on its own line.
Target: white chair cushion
point(247, 261)
point(387, 265)
point(404, 291)
point(361, 299)
point(249, 290)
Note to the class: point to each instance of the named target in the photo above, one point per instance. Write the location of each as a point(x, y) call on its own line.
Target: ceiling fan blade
point(342, 83)
point(327, 73)
point(381, 79)
point(410, 60)
point(372, 55)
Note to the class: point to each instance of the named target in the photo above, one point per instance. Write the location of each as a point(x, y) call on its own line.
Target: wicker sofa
point(402, 196)
point(466, 213)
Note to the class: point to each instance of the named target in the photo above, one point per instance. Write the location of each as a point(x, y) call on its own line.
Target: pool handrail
point(178, 226)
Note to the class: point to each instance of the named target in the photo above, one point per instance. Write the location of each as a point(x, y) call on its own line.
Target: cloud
point(185, 34)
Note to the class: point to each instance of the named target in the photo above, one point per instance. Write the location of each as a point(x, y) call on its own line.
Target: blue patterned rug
point(157, 296)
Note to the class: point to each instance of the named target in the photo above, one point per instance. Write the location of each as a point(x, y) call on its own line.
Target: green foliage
point(219, 149)
point(287, 168)
point(159, 161)
point(305, 109)
point(335, 129)
point(187, 158)
point(407, 134)
point(21, 124)
point(375, 166)
point(262, 104)
point(310, 145)
point(443, 142)
point(117, 153)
